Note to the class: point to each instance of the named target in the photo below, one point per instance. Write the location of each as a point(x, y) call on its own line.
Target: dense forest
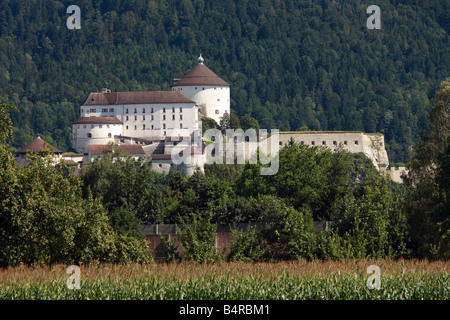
point(291, 63)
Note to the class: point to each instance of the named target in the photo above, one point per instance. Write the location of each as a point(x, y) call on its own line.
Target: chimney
point(106, 90)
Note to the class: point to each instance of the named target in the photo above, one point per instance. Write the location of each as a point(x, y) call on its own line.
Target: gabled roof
point(38, 145)
point(200, 75)
point(97, 120)
point(142, 97)
point(98, 149)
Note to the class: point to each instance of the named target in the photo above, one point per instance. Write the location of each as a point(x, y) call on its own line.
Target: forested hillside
point(290, 63)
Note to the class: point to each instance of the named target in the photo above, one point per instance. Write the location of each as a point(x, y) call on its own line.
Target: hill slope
point(290, 63)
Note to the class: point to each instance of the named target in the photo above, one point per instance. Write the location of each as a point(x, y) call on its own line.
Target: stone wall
point(372, 145)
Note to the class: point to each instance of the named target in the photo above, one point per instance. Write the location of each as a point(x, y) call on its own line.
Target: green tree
point(197, 240)
point(426, 216)
point(44, 218)
point(288, 233)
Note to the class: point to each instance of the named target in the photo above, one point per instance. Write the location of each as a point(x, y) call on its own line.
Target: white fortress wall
point(372, 145)
point(86, 134)
point(216, 99)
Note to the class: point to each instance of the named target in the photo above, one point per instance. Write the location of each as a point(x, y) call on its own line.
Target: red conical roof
point(200, 75)
point(38, 145)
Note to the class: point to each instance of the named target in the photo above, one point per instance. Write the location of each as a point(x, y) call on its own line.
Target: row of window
point(93, 126)
point(152, 110)
point(152, 127)
point(153, 118)
point(324, 143)
point(89, 135)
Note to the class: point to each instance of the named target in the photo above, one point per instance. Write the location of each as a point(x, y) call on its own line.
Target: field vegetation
point(301, 279)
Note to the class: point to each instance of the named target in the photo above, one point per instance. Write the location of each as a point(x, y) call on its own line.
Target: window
point(218, 99)
point(152, 110)
point(143, 117)
point(153, 127)
point(164, 126)
point(111, 109)
point(160, 165)
point(127, 127)
point(334, 143)
point(84, 126)
point(89, 135)
point(217, 111)
point(109, 135)
point(165, 133)
point(181, 126)
point(135, 110)
point(195, 88)
point(107, 125)
point(100, 126)
point(164, 117)
point(345, 142)
point(313, 143)
point(93, 110)
point(92, 126)
point(164, 110)
point(143, 127)
point(324, 143)
point(126, 110)
point(173, 117)
point(143, 110)
point(135, 118)
point(356, 141)
point(173, 109)
point(181, 110)
point(181, 117)
point(126, 119)
point(135, 127)
point(302, 142)
point(281, 143)
point(153, 118)
point(105, 110)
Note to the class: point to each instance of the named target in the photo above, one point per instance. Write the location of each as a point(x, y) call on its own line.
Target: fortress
point(151, 124)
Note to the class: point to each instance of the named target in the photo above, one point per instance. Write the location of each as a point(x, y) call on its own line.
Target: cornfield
point(335, 280)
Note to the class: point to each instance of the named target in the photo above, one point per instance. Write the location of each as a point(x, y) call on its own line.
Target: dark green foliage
point(197, 239)
point(246, 245)
point(429, 213)
point(288, 233)
point(45, 219)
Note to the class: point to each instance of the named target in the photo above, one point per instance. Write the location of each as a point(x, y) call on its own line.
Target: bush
point(246, 245)
point(197, 240)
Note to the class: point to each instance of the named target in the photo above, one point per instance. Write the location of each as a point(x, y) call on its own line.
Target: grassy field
point(233, 281)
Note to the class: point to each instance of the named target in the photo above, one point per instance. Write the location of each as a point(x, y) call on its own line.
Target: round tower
point(208, 90)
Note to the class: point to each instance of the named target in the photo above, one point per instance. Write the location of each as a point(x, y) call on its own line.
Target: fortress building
point(152, 115)
point(161, 121)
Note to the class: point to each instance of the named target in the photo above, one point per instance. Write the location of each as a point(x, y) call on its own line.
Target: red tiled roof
point(98, 120)
point(161, 157)
point(38, 145)
point(200, 75)
point(143, 97)
point(97, 149)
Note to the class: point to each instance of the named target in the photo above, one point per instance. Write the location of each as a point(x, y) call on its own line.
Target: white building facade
point(152, 115)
